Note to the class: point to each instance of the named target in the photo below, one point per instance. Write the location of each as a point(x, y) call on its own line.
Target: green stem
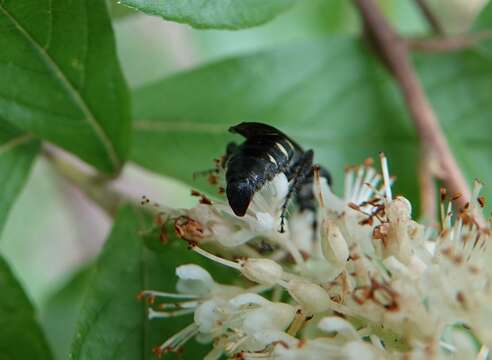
point(94, 187)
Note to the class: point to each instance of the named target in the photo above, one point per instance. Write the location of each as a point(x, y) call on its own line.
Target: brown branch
point(450, 43)
point(430, 17)
point(428, 193)
point(394, 53)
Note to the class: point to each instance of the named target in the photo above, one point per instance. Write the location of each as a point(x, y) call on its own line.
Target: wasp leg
point(201, 173)
point(230, 149)
point(303, 167)
point(219, 163)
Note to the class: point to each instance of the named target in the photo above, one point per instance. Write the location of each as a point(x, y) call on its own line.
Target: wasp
point(265, 153)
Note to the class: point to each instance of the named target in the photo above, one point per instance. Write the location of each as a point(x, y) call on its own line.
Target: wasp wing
point(257, 130)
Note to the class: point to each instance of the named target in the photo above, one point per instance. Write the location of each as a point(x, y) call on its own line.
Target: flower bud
point(399, 210)
point(339, 325)
point(273, 316)
point(355, 350)
point(262, 271)
point(248, 299)
point(312, 297)
point(194, 279)
point(333, 244)
point(206, 315)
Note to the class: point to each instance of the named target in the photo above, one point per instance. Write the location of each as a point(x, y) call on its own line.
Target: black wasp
point(265, 153)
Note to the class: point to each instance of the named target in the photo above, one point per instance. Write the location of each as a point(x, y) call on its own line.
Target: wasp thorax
point(262, 271)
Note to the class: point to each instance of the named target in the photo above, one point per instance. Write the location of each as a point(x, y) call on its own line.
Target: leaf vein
point(72, 91)
point(15, 142)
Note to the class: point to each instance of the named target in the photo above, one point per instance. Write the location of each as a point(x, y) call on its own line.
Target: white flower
point(196, 290)
point(347, 344)
point(218, 222)
point(377, 283)
point(312, 297)
point(244, 323)
point(262, 271)
point(333, 244)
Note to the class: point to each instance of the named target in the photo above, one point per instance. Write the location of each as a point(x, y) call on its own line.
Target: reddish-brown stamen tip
point(163, 236)
point(443, 193)
point(369, 162)
point(456, 196)
point(195, 193)
point(353, 206)
point(158, 351)
point(205, 200)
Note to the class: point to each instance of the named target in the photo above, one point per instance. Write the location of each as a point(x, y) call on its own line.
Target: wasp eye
point(239, 194)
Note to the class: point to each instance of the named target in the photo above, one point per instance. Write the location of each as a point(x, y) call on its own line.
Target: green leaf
point(329, 95)
point(117, 11)
point(459, 86)
point(484, 18)
point(20, 335)
point(484, 23)
point(60, 312)
point(17, 152)
point(214, 14)
point(113, 324)
point(61, 79)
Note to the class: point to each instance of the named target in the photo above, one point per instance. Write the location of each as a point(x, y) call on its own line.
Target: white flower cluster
point(364, 280)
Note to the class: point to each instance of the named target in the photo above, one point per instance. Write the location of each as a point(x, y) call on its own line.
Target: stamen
point(257, 355)
point(177, 340)
point(151, 293)
point(317, 186)
point(373, 187)
point(232, 346)
point(447, 346)
point(357, 184)
point(386, 178)
point(180, 305)
point(484, 353)
point(441, 207)
point(215, 258)
point(349, 178)
point(297, 323)
point(153, 314)
point(446, 216)
point(477, 187)
point(370, 184)
point(369, 173)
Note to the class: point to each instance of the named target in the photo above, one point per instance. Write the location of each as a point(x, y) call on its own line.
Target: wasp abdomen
point(244, 176)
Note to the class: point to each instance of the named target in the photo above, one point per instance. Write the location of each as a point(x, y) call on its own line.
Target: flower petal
point(194, 279)
point(341, 326)
point(248, 299)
